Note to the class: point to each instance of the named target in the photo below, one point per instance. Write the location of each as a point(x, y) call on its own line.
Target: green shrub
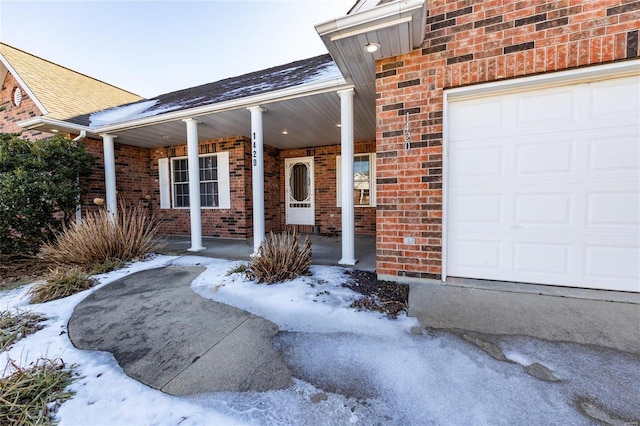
point(39, 189)
point(61, 282)
point(280, 258)
point(241, 268)
point(30, 396)
point(106, 266)
point(98, 241)
point(16, 325)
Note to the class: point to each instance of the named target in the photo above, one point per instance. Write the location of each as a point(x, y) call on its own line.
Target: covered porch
point(325, 249)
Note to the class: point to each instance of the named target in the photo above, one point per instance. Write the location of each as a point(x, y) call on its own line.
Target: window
point(364, 187)
point(180, 183)
point(213, 171)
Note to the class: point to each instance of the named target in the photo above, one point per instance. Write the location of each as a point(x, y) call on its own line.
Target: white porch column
point(110, 174)
point(346, 170)
point(194, 184)
point(257, 175)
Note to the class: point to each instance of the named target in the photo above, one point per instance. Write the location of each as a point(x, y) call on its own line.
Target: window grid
point(208, 171)
point(361, 180)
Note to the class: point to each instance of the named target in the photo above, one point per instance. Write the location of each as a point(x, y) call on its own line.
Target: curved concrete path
point(167, 337)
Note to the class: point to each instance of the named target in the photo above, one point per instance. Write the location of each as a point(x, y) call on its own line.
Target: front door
point(298, 173)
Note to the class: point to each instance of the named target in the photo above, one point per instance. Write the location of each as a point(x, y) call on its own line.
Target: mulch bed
point(18, 270)
point(382, 296)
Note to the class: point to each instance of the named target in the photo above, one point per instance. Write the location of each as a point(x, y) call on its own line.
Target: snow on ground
point(350, 367)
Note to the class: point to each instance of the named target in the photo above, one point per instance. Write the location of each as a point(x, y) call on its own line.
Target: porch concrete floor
point(324, 250)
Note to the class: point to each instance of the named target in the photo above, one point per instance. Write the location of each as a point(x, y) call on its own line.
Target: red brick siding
point(469, 42)
point(327, 213)
point(10, 114)
point(134, 184)
point(272, 200)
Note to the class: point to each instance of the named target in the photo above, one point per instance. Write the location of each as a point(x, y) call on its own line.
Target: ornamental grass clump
point(99, 239)
point(30, 396)
point(280, 258)
point(61, 282)
point(14, 325)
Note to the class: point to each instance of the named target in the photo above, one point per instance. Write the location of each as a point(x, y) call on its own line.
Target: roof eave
point(246, 102)
point(22, 84)
point(398, 27)
point(53, 126)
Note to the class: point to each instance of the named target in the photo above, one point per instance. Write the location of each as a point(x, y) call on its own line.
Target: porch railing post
point(193, 163)
point(257, 175)
point(346, 171)
point(110, 174)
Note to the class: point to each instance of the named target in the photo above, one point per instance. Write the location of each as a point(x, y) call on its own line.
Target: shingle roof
point(306, 71)
point(63, 92)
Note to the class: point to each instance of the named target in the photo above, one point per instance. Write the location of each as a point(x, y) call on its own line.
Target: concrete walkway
point(593, 317)
point(167, 337)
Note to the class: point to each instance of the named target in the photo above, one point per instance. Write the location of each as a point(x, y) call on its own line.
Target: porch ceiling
point(309, 121)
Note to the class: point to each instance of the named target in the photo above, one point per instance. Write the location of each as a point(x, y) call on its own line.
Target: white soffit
point(398, 27)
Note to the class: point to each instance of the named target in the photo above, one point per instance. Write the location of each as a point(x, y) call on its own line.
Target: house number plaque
point(255, 151)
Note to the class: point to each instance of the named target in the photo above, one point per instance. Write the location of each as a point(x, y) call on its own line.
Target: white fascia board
point(36, 122)
point(375, 16)
point(242, 103)
point(22, 84)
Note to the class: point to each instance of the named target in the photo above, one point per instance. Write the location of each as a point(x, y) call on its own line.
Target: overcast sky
point(154, 47)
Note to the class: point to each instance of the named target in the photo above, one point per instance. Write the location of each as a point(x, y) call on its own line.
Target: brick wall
point(134, 185)
point(10, 114)
point(469, 42)
point(327, 213)
point(272, 164)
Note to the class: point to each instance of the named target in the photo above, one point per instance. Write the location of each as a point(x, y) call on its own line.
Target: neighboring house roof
point(302, 72)
point(62, 93)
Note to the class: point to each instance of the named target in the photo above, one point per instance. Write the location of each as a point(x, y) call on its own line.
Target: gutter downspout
point(82, 135)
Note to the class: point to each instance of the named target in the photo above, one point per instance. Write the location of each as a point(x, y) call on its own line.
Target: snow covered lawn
point(350, 367)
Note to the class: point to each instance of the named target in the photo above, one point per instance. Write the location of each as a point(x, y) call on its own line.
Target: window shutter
point(224, 184)
point(163, 180)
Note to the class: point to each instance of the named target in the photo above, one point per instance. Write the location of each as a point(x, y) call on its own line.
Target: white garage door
point(543, 186)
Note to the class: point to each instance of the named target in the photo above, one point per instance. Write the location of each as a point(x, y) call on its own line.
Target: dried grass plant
point(62, 281)
point(100, 240)
point(280, 258)
point(30, 396)
point(14, 325)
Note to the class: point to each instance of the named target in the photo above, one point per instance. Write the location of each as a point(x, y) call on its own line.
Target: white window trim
point(372, 180)
point(166, 178)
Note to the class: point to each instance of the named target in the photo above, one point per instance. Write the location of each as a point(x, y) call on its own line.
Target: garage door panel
point(480, 208)
point(480, 161)
point(606, 263)
point(479, 117)
point(551, 107)
point(614, 209)
point(541, 258)
point(549, 193)
point(624, 108)
point(483, 254)
point(544, 209)
point(617, 151)
point(546, 156)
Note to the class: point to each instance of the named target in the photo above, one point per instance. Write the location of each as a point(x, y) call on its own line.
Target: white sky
point(154, 47)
